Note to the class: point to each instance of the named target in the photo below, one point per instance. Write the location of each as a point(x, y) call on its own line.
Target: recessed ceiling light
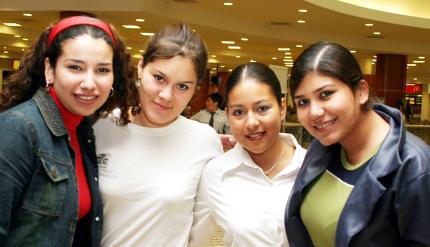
point(230, 70)
point(303, 10)
point(369, 24)
point(289, 65)
point(5, 52)
point(288, 57)
point(352, 51)
point(4, 47)
point(24, 39)
point(131, 26)
point(237, 56)
point(244, 39)
point(252, 61)
point(377, 33)
point(274, 58)
point(421, 57)
point(213, 55)
point(11, 24)
point(227, 42)
point(147, 34)
point(283, 49)
point(22, 49)
point(373, 60)
point(299, 46)
point(129, 48)
point(142, 51)
point(415, 78)
point(222, 66)
point(375, 56)
point(233, 47)
point(288, 60)
point(140, 20)
point(411, 64)
point(17, 36)
point(418, 61)
point(301, 21)
point(287, 53)
point(27, 14)
point(228, 4)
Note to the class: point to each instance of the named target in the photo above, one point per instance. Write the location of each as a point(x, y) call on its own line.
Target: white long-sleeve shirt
point(235, 193)
point(149, 178)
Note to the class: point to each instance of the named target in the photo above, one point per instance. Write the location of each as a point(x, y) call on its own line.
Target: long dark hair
point(31, 74)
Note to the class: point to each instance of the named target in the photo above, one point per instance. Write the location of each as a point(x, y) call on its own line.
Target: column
point(390, 78)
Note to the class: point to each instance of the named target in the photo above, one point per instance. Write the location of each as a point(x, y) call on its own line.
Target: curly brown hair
point(30, 76)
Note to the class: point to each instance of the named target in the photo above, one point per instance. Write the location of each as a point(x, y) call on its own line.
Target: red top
point(71, 121)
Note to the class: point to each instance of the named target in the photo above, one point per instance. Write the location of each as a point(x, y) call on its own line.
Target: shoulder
point(415, 154)
point(224, 162)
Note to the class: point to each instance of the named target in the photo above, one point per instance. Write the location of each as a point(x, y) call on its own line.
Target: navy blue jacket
point(38, 186)
point(390, 203)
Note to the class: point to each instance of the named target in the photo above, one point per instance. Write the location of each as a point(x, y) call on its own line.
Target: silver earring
point(48, 85)
point(137, 82)
point(112, 92)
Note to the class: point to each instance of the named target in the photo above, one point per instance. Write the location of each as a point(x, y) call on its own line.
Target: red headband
point(76, 21)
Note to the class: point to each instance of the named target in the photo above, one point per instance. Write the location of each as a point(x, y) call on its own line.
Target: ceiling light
point(411, 64)
point(17, 36)
point(147, 34)
point(299, 46)
point(287, 53)
point(274, 58)
point(303, 10)
point(352, 51)
point(415, 78)
point(22, 49)
point(233, 47)
point(24, 39)
point(222, 66)
point(301, 21)
point(5, 52)
point(142, 51)
point(421, 57)
point(194, 30)
point(228, 4)
point(288, 60)
point(11, 24)
point(369, 24)
point(289, 65)
point(244, 39)
point(27, 14)
point(252, 61)
point(129, 48)
point(136, 56)
point(227, 42)
point(373, 60)
point(418, 61)
point(377, 33)
point(237, 56)
point(373, 63)
point(4, 47)
point(374, 56)
point(288, 57)
point(140, 20)
point(131, 26)
point(213, 55)
point(283, 49)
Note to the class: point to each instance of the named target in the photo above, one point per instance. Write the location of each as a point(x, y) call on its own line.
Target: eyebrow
point(165, 76)
point(314, 91)
point(256, 103)
point(81, 61)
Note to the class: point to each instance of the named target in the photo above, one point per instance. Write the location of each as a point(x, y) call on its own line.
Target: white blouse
point(235, 193)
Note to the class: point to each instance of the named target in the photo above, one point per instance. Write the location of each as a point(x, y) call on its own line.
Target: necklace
point(275, 164)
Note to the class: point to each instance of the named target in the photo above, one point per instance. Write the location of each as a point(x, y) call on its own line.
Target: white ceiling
point(267, 24)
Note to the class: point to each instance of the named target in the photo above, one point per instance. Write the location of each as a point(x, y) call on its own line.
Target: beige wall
point(425, 108)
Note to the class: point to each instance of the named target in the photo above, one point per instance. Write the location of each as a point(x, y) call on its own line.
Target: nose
point(251, 120)
point(316, 110)
point(166, 92)
point(88, 82)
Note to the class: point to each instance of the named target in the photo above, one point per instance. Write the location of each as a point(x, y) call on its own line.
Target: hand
point(228, 141)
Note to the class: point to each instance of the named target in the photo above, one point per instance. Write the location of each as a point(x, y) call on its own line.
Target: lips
point(256, 136)
point(162, 106)
point(87, 99)
point(323, 125)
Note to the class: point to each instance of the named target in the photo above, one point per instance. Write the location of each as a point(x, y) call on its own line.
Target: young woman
point(48, 166)
point(365, 181)
point(243, 191)
point(150, 169)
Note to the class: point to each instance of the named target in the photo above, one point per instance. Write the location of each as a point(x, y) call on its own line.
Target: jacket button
point(97, 218)
point(89, 141)
point(95, 178)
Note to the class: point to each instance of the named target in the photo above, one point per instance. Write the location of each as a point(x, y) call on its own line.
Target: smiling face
point(254, 115)
point(83, 75)
point(328, 108)
point(167, 87)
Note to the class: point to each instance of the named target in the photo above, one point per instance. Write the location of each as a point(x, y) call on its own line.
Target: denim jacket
point(38, 186)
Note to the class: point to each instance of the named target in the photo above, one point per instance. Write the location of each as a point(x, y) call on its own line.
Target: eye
point(103, 70)
point(302, 102)
point(263, 108)
point(158, 78)
point(183, 86)
point(237, 112)
point(325, 94)
point(74, 67)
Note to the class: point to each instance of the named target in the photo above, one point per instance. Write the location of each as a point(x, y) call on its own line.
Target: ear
point(49, 71)
point(363, 91)
point(140, 67)
point(283, 108)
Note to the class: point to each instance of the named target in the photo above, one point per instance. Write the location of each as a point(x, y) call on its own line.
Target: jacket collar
point(50, 112)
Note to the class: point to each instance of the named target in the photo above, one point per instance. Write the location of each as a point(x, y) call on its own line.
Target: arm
point(16, 166)
point(203, 223)
point(227, 141)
